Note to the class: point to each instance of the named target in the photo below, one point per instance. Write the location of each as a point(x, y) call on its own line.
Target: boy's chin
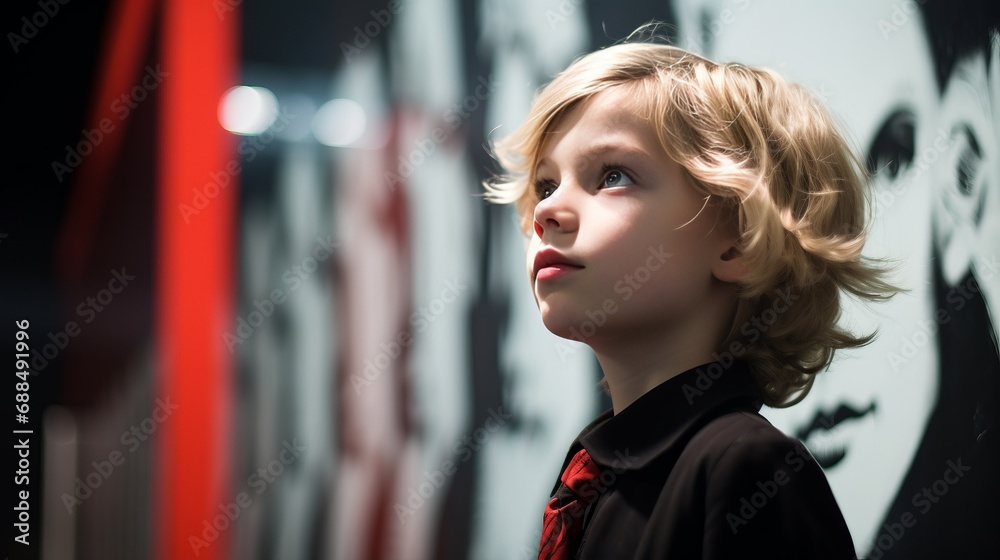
point(583, 330)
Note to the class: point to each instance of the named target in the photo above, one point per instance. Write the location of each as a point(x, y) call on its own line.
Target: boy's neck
point(628, 381)
point(635, 363)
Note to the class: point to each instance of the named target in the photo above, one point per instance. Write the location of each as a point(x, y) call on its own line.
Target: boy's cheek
point(532, 246)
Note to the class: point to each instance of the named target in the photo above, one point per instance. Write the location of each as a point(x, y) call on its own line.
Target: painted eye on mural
point(970, 158)
point(894, 146)
point(959, 213)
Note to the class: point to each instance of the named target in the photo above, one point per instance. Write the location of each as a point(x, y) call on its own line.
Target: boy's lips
point(550, 263)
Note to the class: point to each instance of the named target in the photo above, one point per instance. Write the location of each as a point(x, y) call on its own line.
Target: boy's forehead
point(609, 120)
point(615, 105)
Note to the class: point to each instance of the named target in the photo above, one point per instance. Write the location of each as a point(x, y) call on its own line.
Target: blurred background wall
point(269, 315)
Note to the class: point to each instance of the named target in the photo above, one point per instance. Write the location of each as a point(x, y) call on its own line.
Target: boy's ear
point(729, 267)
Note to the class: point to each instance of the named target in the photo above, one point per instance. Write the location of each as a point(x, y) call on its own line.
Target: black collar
point(658, 425)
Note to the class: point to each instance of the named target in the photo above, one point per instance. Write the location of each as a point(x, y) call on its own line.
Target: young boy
point(710, 215)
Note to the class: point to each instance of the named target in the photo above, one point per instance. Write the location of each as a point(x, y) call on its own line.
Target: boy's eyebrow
point(621, 148)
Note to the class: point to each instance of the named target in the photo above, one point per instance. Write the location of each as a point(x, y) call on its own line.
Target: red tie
point(562, 524)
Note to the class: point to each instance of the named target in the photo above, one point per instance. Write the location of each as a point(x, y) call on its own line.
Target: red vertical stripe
point(119, 70)
point(195, 277)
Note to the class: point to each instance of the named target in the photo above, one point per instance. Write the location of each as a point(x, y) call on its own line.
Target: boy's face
point(640, 239)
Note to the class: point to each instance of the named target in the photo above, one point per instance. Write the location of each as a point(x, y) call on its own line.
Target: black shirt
point(692, 470)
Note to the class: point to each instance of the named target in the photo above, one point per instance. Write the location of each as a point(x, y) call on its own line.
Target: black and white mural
point(905, 428)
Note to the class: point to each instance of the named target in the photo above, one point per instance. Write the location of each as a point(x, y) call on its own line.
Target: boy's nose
point(555, 213)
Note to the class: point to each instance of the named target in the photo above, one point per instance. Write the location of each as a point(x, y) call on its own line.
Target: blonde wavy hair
point(761, 147)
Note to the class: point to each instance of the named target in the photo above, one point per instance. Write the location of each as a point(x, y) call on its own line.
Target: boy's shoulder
point(758, 490)
point(746, 442)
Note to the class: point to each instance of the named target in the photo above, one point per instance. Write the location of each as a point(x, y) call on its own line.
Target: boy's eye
point(614, 177)
point(544, 189)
